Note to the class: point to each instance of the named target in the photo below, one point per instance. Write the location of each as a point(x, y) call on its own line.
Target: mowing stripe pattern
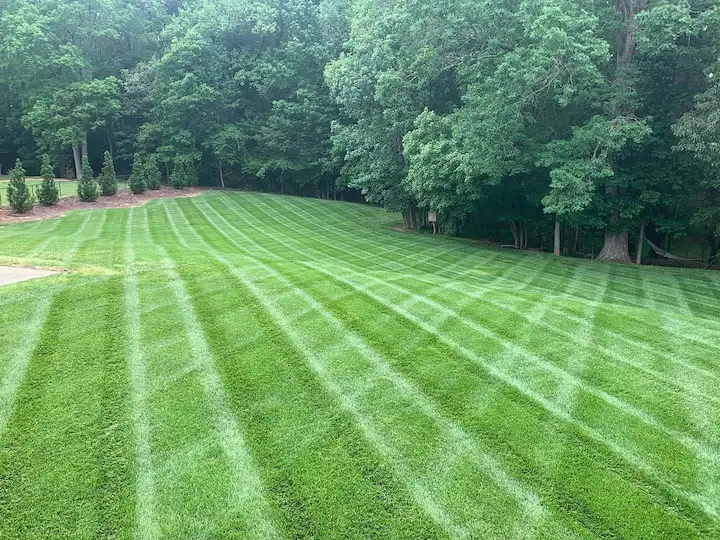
point(243, 365)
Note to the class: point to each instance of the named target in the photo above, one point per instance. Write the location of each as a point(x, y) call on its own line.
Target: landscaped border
point(124, 199)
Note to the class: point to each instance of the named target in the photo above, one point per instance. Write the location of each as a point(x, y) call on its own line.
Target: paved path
point(12, 274)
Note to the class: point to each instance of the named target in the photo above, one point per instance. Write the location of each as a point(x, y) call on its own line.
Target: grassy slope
point(251, 366)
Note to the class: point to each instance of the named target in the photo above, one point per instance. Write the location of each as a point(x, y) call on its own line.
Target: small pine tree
point(49, 192)
point(138, 184)
point(88, 189)
point(152, 174)
point(108, 178)
point(18, 194)
point(191, 175)
point(177, 178)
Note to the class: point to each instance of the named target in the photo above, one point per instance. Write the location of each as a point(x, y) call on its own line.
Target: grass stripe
point(249, 491)
point(145, 525)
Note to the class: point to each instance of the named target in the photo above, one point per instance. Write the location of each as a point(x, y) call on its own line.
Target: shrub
point(49, 192)
point(177, 178)
point(152, 174)
point(191, 175)
point(88, 189)
point(18, 194)
point(138, 184)
point(108, 178)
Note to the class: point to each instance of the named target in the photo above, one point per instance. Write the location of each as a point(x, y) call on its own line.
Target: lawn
point(67, 188)
point(242, 365)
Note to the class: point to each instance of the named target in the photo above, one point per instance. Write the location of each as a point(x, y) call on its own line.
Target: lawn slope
point(242, 365)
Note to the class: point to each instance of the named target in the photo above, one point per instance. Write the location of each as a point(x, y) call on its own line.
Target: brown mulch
point(123, 199)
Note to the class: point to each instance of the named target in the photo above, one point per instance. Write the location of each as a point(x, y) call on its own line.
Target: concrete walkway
point(13, 274)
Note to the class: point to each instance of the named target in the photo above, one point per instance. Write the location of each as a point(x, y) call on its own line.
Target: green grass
point(67, 188)
point(243, 365)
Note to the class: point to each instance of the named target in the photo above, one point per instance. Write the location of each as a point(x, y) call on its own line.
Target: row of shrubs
point(145, 175)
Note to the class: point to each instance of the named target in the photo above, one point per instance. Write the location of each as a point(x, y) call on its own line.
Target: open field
point(67, 187)
point(241, 365)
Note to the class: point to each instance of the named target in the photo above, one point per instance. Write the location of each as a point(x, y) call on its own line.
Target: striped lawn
point(242, 365)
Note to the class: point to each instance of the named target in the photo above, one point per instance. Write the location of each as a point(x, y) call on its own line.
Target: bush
point(48, 193)
point(88, 189)
point(152, 174)
point(108, 178)
point(138, 185)
point(191, 175)
point(18, 194)
point(177, 178)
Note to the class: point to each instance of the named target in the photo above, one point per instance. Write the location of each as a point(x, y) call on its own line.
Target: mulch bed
point(123, 199)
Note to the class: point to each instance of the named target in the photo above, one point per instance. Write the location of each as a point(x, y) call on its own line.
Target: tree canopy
point(495, 115)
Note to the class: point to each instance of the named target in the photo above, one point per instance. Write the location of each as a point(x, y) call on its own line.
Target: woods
point(542, 123)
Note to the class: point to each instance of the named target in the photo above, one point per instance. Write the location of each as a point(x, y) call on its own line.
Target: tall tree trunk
point(108, 126)
point(577, 239)
point(222, 180)
point(615, 247)
point(514, 231)
point(557, 236)
point(413, 216)
point(84, 146)
point(78, 161)
point(713, 247)
point(641, 242)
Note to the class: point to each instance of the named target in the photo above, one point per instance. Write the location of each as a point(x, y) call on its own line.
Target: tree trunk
point(78, 161)
point(513, 230)
point(713, 248)
point(84, 147)
point(222, 180)
point(615, 247)
point(109, 137)
point(557, 237)
point(413, 217)
point(612, 250)
point(641, 241)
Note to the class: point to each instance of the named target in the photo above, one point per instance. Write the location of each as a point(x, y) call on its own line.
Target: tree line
point(548, 121)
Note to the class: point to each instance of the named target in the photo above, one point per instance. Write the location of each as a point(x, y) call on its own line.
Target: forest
point(543, 123)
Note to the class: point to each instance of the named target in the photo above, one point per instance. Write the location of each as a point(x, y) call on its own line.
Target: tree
point(178, 178)
point(138, 183)
point(152, 174)
point(88, 189)
point(48, 192)
point(108, 179)
point(191, 175)
point(18, 194)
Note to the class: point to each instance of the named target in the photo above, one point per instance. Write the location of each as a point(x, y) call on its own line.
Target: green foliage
point(48, 193)
point(138, 178)
point(191, 175)
point(488, 113)
point(152, 174)
point(18, 194)
point(178, 177)
point(88, 189)
point(108, 179)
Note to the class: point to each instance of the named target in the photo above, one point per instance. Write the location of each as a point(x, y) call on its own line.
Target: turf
point(242, 365)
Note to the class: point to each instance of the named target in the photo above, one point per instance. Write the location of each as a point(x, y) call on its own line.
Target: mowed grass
point(243, 365)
